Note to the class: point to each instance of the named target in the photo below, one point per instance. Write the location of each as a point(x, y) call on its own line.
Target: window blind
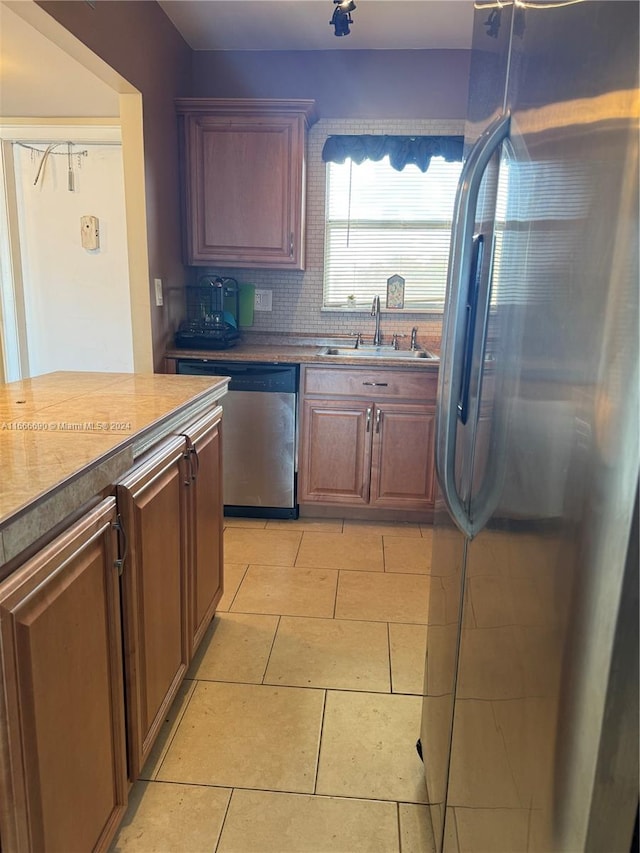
point(381, 222)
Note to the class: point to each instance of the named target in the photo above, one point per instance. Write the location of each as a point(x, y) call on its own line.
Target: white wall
point(77, 305)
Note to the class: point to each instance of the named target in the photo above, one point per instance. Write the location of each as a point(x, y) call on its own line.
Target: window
point(382, 222)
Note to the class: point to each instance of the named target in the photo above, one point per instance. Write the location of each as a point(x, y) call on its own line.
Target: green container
point(247, 301)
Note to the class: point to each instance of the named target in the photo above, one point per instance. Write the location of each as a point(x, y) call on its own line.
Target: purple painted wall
point(345, 84)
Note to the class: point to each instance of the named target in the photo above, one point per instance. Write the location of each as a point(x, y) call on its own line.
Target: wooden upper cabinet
point(243, 172)
point(63, 773)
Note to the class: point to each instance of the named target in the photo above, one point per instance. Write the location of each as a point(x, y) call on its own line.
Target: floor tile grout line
point(379, 572)
point(237, 788)
point(315, 616)
point(398, 825)
point(324, 706)
point(295, 559)
point(328, 618)
point(244, 574)
point(317, 687)
point(224, 819)
point(389, 574)
point(273, 642)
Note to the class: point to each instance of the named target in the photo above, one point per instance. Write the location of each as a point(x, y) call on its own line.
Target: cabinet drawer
point(376, 383)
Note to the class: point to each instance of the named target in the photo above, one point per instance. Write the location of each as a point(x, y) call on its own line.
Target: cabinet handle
point(378, 419)
point(122, 549)
point(195, 470)
point(368, 420)
point(380, 384)
point(188, 451)
point(291, 245)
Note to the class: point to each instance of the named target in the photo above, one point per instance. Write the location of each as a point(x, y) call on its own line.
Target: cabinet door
point(205, 529)
point(151, 501)
point(336, 451)
point(245, 190)
point(402, 468)
point(63, 763)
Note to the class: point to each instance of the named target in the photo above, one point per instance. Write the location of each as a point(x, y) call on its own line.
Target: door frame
point(130, 125)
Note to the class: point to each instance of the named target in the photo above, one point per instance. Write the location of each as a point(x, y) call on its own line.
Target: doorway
point(55, 90)
point(67, 305)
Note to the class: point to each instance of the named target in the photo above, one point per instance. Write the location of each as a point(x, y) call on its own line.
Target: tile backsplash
point(297, 296)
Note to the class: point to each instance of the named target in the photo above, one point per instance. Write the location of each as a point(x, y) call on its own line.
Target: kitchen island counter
point(65, 437)
point(110, 573)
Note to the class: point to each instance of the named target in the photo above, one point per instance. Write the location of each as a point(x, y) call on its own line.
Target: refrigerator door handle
point(452, 358)
point(470, 326)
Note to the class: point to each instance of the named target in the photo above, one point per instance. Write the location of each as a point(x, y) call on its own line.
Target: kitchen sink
point(377, 352)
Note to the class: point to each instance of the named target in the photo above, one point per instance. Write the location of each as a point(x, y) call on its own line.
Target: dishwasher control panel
point(246, 376)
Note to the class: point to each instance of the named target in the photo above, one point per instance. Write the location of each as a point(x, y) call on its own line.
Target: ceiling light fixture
point(341, 17)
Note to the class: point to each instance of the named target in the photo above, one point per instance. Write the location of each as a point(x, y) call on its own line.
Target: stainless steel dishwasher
point(259, 435)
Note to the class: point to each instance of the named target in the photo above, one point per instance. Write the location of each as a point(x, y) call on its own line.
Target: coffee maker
point(213, 309)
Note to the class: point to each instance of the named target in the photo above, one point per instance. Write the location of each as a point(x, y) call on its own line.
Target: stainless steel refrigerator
point(530, 712)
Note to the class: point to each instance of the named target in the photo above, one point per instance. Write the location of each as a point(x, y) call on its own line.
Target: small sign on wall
point(395, 292)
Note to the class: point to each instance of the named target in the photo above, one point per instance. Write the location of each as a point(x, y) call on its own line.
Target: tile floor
point(295, 728)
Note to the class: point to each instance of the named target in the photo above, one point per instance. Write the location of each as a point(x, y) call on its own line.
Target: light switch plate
point(90, 232)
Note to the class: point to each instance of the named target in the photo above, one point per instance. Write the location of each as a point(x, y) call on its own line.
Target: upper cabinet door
point(244, 182)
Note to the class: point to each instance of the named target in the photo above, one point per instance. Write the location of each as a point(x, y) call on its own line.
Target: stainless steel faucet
point(414, 338)
point(375, 312)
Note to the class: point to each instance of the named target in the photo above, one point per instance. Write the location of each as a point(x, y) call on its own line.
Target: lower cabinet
point(205, 512)
point(96, 633)
point(402, 463)
point(62, 757)
point(368, 438)
point(336, 440)
point(171, 510)
point(153, 506)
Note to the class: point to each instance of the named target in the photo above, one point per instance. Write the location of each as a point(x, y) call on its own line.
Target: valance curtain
point(402, 150)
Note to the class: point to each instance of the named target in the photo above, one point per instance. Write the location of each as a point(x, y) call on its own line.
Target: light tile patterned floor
point(295, 729)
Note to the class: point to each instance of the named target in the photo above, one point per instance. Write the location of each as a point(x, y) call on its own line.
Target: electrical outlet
point(263, 300)
point(157, 283)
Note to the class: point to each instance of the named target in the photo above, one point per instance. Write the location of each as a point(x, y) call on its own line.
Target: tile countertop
point(298, 349)
point(64, 437)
